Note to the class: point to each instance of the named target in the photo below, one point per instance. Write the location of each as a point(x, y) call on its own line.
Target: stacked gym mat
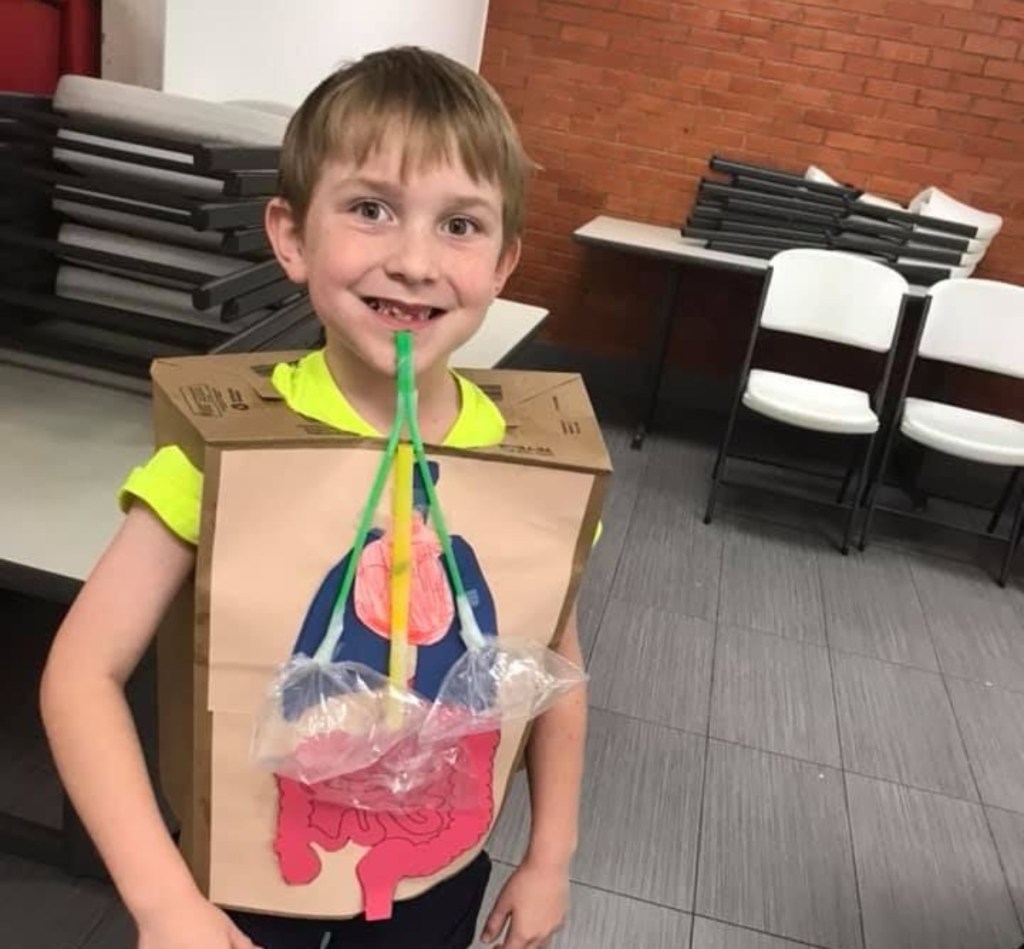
point(131, 226)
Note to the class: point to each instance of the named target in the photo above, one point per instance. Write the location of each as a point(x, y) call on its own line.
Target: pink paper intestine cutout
point(403, 845)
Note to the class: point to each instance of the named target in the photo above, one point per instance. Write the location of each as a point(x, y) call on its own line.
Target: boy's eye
point(462, 226)
point(370, 210)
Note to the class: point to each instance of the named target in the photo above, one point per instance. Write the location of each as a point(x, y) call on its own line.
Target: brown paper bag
point(282, 500)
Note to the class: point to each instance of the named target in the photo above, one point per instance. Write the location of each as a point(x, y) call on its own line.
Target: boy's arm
point(554, 762)
point(87, 719)
point(535, 900)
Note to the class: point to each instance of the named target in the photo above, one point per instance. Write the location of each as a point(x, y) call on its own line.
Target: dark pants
point(442, 918)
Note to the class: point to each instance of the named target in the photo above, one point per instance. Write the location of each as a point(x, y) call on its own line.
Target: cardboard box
point(545, 484)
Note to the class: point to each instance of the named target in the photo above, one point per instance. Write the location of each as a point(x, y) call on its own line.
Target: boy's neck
point(373, 398)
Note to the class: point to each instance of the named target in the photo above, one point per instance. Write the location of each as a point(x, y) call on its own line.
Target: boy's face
point(381, 254)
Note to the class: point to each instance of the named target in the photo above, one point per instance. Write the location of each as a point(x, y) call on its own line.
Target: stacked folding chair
point(22, 209)
point(150, 241)
point(759, 211)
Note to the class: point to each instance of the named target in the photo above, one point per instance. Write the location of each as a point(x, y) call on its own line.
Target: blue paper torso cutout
point(361, 644)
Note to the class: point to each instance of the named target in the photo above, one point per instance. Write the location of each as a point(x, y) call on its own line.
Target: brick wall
point(623, 101)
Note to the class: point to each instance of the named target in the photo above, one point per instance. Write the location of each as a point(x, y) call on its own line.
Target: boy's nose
point(413, 257)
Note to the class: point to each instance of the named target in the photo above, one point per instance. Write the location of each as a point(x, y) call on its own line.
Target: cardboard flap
point(229, 399)
point(200, 400)
point(548, 415)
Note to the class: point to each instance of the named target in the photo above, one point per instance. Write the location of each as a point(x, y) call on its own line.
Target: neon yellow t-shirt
point(173, 487)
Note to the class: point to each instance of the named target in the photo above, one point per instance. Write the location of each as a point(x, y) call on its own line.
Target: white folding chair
point(829, 295)
point(977, 324)
point(933, 202)
point(814, 173)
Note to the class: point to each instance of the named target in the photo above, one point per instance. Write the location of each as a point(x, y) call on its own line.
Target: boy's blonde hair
point(434, 103)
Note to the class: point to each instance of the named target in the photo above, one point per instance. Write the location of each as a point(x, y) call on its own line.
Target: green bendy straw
point(405, 414)
point(470, 629)
point(336, 624)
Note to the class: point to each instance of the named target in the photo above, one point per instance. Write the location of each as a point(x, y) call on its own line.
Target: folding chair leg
point(1012, 544)
point(862, 470)
point(719, 469)
point(741, 385)
point(878, 479)
point(1004, 499)
point(848, 477)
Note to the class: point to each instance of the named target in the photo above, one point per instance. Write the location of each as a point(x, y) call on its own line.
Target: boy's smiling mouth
point(405, 312)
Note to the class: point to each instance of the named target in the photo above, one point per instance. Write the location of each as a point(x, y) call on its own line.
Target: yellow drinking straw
point(401, 565)
point(401, 528)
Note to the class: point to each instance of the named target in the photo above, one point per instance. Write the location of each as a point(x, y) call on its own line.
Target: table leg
point(666, 312)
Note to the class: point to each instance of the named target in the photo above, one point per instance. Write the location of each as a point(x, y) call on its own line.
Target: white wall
point(274, 50)
point(133, 42)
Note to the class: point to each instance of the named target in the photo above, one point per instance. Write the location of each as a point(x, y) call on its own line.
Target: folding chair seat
point(977, 436)
point(808, 403)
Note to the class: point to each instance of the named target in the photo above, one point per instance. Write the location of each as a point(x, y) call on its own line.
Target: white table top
point(506, 326)
point(66, 445)
point(658, 241)
point(668, 243)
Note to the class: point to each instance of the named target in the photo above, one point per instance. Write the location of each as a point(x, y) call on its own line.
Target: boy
point(401, 207)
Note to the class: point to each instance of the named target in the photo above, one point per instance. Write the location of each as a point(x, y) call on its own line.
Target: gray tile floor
point(787, 747)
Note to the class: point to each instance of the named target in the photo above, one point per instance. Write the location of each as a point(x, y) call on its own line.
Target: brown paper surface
point(212, 406)
point(284, 517)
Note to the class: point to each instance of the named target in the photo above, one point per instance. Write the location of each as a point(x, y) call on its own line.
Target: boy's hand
point(533, 904)
point(194, 924)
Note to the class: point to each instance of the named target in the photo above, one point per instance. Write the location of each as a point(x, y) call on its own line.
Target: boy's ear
point(286, 239)
point(507, 263)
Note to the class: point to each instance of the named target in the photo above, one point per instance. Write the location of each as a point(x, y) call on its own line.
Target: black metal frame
point(1004, 500)
point(278, 293)
point(208, 158)
point(206, 291)
point(171, 205)
point(779, 240)
point(19, 303)
point(712, 220)
point(274, 326)
point(873, 236)
point(861, 458)
point(718, 200)
point(804, 189)
point(759, 211)
point(871, 497)
point(148, 334)
point(248, 242)
point(232, 184)
point(262, 276)
point(666, 314)
point(737, 243)
point(736, 169)
point(229, 309)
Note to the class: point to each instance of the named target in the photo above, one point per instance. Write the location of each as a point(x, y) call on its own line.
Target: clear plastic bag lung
point(359, 741)
point(497, 684)
point(319, 721)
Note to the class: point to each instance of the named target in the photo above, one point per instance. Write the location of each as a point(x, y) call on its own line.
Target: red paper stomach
point(431, 607)
point(403, 844)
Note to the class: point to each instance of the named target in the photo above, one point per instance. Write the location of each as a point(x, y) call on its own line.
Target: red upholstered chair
point(42, 39)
